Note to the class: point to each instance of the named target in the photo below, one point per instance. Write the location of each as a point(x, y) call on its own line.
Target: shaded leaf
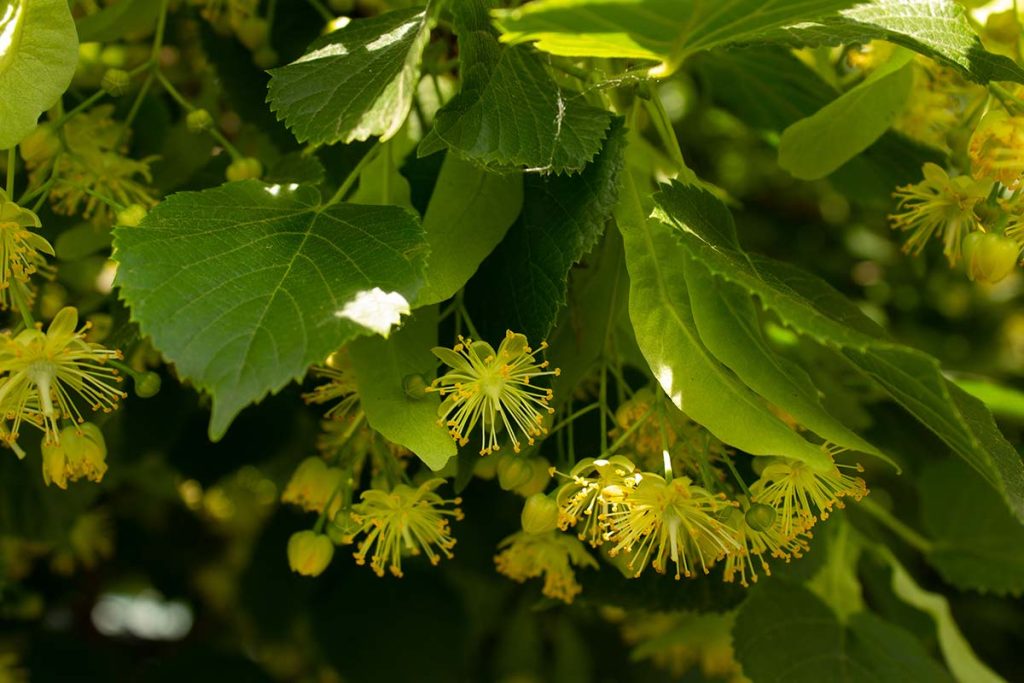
point(118, 20)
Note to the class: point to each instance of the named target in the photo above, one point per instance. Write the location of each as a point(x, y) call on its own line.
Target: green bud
point(540, 514)
point(513, 471)
point(415, 386)
point(244, 169)
point(131, 216)
point(342, 529)
point(760, 517)
point(989, 257)
point(265, 57)
point(252, 32)
point(198, 120)
point(309, 553)
point(147, 385)
point(539, 479)
point(116, 82)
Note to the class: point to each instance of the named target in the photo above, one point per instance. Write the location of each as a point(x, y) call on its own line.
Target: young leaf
point(381, 367)
point(510, 111)
point(244, 286)
point(698, 384)
point(812, 308)
point(815, 146)
point(666, 31)
point(785, 633)
point(355, 82)
point(936, 28)
point(469, 213)
point(978, 545)
point(38, 54)
point(522, 284)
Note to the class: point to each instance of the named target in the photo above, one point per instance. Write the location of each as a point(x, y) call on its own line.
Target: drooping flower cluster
point(22, 252)
point(495, 389)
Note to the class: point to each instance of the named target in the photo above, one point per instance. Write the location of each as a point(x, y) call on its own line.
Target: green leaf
point(510, 111)
point(936, 28)
point(816, 146)
point(296, 167)
point(785, 633)
point(957, 652)
point(380, 181)
point(522, 285)
point(116, 21)
point(836, 581)
point(667, 31)
point(381, 367)
point(977, 543)
point(812, 308)
point(469, 213)
point(244, 286)
point(1001, 400)
point(38, 54)
point(729, 326)
point(355, 82)
point(698, 384)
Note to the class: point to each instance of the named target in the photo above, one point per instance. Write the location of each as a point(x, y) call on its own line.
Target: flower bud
point(116, 82)
point(309, 553)
point(244, 169)
point(539, 478)
point(342, 528)
point(513, 471)
point(415, 386)
point(312, 485)
point(989, 257)
point(540, 514)
point(39, 146)
point(198, 120)
point(147, 384)
point(252, 32)
point(79, 452)
point(131, 216)
point(265, 57)
point(760, 517)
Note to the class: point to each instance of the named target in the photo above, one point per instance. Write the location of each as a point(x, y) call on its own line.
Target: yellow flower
point(312, 485)
point(997, 148)
point(21, 251)
point(800, 495)
point(493, 388)
point(309, 553)
point(596, 488)
point(404, 520)
point(551, 554)
point(938, 102)
point(80, 453)
point(43, 371)
point(938, 206)
point(340, 387)
point(671, 520)
point(759, 533)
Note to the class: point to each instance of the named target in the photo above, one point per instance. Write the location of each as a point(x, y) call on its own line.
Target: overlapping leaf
point(38, 54)
point(812, 308)
point(244, 286)
point(355, 82)
point(510, 111)
point(666, 31)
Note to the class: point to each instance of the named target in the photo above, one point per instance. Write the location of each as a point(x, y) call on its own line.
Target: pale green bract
point(38, 54)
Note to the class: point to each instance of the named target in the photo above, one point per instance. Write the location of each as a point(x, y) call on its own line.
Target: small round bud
point(513, 471)
point(265, 57)
point(244, 169)
point(415, 386)
point(131, 216)
point(147, 385)
point(989, 257)
point(116, 82)
point(309, 553)
point(540, 514)
point(252, 32)
point(198, 120)
point(760, 517)
point(539, 479)
point(41, 145)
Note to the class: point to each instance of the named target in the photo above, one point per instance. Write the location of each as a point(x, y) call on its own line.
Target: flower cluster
point(22, 253)
point(495, 389)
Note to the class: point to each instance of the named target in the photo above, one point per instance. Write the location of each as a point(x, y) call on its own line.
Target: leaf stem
point(353, 175)
point(579, 413)
point(214, 132)
point(626, 434)
point(908, 535)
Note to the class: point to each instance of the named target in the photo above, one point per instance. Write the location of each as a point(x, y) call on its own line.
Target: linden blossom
point(485, 385)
